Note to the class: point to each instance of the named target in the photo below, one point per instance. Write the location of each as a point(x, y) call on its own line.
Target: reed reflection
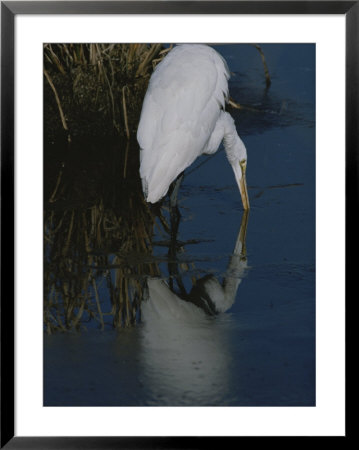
point(97, 238)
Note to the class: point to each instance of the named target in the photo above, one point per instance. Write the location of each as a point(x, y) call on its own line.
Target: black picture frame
point(9, 9)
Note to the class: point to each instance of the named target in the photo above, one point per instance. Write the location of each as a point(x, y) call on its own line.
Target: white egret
point(183, 117)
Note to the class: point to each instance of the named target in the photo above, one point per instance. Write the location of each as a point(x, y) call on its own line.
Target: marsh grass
point(96, 89)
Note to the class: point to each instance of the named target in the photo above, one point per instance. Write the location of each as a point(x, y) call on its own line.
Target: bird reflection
point(186, 359)
point(207, 293)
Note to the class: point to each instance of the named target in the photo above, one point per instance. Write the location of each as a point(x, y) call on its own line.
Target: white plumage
point(183, 117)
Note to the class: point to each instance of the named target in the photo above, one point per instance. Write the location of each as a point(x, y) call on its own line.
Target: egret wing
point(179, 114)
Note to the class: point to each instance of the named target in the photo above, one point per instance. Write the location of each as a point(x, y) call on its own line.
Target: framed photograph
point(174, 182)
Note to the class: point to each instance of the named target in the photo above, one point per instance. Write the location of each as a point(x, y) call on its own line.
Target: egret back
point(183, 102)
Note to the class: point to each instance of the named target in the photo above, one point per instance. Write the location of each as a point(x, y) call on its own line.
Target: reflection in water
point(100, 265)
point(98, 238)
point(99, 244)
point(185, 356)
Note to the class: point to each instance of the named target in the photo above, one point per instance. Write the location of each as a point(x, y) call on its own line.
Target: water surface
point(260, 351)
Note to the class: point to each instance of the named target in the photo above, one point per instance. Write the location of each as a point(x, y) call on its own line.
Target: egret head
point(237, 156)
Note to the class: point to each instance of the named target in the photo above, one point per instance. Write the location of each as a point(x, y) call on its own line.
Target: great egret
point(183, 117)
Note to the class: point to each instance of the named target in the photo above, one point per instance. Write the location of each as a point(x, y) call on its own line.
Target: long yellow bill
point(240, 174)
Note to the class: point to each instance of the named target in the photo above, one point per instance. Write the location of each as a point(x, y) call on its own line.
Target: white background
point(327, 418)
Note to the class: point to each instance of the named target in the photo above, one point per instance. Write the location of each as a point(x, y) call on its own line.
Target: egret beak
point(240, 174)
point(243, 185)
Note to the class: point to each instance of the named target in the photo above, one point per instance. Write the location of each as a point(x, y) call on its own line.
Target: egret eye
point(243, 165)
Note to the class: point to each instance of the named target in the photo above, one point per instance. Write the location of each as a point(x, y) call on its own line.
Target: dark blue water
point(261, 350)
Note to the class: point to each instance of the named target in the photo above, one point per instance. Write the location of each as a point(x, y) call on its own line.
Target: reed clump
point(96, 89)
point(97, 226)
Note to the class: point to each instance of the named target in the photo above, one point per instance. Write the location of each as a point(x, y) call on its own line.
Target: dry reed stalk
point(131, 54)
point(67, 243)
point(236, 105)
point(127, 301)
point(125, 111)
point(64, 46)
point(87, 245)
point(266, 71)
point(52, 198)
point(55, 59)
point(55, 230)
point(126, 157)
point(77, 319)
point(63, 120)
point(166, 50)
point(59, 321)
point(93, 54)
point(151, 54)
point(98, 304)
